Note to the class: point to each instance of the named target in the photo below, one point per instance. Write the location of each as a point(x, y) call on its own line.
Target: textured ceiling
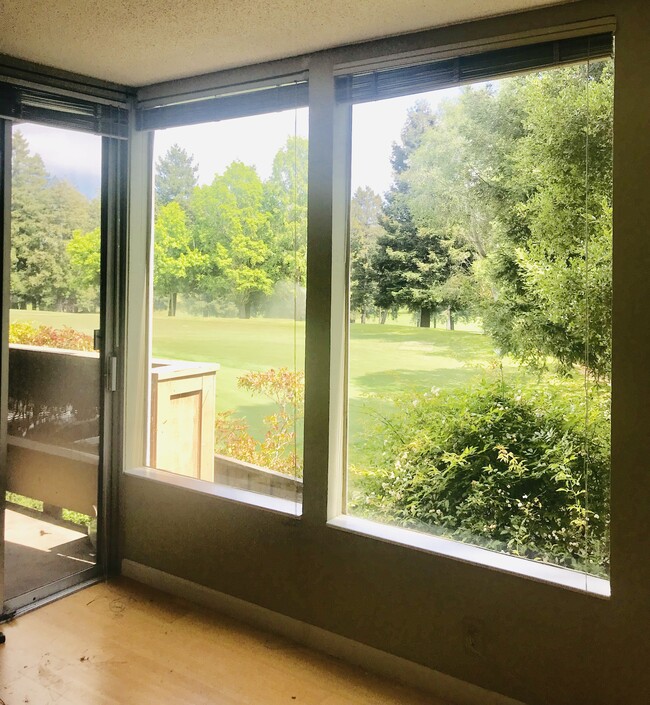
point(142, 42)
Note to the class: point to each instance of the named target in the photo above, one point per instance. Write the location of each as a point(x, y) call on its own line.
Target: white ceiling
point(145, 41)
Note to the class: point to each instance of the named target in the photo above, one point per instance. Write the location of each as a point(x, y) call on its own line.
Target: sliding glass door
point(53, 396)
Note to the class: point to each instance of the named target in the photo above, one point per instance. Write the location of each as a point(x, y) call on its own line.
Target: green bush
point(513, 470)
point(22, 332)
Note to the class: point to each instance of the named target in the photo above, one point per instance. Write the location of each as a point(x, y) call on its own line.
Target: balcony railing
point(53, 428)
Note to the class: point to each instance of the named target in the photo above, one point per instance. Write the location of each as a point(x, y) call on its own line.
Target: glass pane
point(54, 376)
point(480, 314)
point(229, 255)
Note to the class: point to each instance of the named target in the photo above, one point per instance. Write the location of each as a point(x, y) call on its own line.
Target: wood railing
point(53, 425)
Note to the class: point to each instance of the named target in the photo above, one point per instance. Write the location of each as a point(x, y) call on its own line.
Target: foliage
point(234, 232)
point(84, 253)
point(176, 177)
point(365, 230)
point(513, 469)
point(24, 333)
point(278, 449)
point(407, 263)
point(176, 260)
point(228, 244)
point(562, 305)
point(45, 214)
point(285, 199)
point(520, 176)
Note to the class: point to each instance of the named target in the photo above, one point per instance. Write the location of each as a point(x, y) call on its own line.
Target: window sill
point(232, 494)
point(541, 572)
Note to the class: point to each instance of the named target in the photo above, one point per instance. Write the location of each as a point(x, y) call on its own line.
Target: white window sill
point(541, 572)
point(233, 494)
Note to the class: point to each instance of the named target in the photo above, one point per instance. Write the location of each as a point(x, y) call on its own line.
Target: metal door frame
point(112, 228)
point(5, 268)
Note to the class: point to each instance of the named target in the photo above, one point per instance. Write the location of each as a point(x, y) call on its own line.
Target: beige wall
point(542, 644)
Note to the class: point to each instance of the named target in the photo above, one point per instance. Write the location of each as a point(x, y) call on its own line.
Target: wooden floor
point(124, 643)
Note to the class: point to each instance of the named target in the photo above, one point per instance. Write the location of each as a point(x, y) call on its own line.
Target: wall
point(542, 644)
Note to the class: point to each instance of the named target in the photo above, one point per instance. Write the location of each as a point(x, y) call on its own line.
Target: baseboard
point(442, 686)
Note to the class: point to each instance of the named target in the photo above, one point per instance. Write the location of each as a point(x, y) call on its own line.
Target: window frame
point(337, 517)
point(327, 271)
point(217, 104)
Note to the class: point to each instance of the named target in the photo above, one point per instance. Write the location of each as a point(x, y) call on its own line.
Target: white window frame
point(138, 345)
point(337, 518)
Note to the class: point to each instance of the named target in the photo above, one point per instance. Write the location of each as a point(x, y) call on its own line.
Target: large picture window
point(228, 304)
point(479, 335)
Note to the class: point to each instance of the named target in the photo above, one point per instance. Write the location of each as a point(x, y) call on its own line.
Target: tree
point(45, 214)
point(411, 266)
point(176, 177)
point(233, 231)
point(84, 252)
point(242, 263)
point(408, 262)
point(365, 230)
point(285, 200)
point(502, 174)
point(558, 276)
point(455, 180)
point(176, 261)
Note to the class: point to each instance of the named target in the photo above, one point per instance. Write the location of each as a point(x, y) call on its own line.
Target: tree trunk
point(171, 306)
point(247, 310)
point(383, 316)
point(363, 315)
point(425, 318)
point(435, 320)
point(450, 319)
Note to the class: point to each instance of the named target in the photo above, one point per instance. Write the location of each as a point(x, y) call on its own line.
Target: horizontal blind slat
point(445, 73)
point(265, 100)
point(34, 105)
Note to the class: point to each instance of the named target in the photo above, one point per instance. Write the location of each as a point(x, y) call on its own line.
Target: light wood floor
point(122, 643)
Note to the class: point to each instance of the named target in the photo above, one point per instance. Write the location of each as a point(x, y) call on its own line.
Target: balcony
point(53, 453)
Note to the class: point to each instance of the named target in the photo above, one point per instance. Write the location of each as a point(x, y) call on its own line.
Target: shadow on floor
point(40, 550)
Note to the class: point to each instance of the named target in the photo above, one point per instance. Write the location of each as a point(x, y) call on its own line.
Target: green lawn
point(83, 322)
point(383, 358)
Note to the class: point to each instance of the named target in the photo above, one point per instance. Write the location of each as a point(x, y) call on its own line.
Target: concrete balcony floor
point(40, 549)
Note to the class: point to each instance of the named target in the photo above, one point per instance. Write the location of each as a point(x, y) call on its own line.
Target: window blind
point(254, 102)
point(39, 105)
point(393, 82)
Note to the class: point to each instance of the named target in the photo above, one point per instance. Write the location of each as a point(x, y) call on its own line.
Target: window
point(479, 327)
point(228, 300)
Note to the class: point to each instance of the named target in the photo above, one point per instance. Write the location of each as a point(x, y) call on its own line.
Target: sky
point(67, 154)
point(254, 140)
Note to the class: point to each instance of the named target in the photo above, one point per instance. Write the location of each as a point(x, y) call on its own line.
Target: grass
point(384, 359)
point(83, 322)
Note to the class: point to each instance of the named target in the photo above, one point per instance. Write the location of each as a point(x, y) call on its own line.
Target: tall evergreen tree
point(176, 177)
point(409, 262)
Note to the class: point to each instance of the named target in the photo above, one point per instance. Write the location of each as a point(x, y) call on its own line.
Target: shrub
point(278, 449)
point(511, 470)
point(22, 332)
